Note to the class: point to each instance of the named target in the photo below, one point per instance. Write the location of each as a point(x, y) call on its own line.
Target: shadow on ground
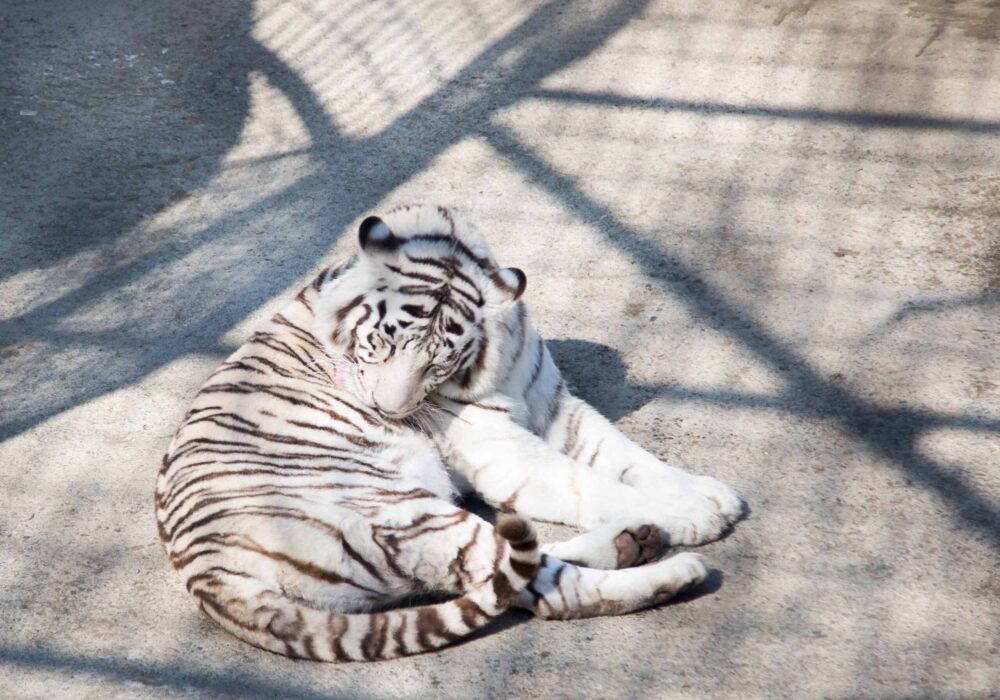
point(100, 138)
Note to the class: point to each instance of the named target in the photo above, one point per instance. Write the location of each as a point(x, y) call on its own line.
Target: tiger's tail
point(272, 621)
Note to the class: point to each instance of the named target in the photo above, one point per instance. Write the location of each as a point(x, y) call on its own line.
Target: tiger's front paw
point(691, 521)
point(683, 488)
point(725, 499)
point(687, 520)
point(680, 507)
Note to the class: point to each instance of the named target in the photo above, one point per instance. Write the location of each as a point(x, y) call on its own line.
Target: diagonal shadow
point(173, 676)
point(857, 118)
point(931, 305)
point(892, 433)
point(597, 374)
point(93, 165)
point(547, 41)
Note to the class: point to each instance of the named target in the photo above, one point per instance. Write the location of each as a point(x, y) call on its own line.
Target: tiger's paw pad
point(637, 546)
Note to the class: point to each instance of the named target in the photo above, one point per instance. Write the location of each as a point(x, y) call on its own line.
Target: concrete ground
point(763, 237)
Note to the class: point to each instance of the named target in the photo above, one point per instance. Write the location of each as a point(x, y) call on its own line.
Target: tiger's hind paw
point(679, 573)
point(637, 545)
point(618, 544)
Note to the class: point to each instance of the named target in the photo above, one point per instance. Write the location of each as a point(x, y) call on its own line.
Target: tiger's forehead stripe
point(475, 295)
point(444, 284)
point(484, 264)
point(450, 266)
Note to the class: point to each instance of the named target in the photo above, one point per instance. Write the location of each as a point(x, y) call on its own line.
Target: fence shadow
point(890, 432)
point(196, 295)
point(191, 317)
point(148, 676)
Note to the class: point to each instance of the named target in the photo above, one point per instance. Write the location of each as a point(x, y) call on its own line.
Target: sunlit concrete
point(763, 237)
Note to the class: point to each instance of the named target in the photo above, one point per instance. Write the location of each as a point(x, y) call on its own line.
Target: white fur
point(515, 458)
point(510, 431)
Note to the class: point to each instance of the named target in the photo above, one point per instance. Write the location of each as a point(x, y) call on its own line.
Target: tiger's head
point(418, 311)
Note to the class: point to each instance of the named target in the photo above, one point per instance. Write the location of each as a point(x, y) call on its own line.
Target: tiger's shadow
point(598, 375)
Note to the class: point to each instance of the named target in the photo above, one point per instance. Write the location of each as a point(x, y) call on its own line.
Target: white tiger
point(313, 481)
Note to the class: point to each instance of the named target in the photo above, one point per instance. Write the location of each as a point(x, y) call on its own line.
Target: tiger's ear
point(375, 236)
point(510, 283)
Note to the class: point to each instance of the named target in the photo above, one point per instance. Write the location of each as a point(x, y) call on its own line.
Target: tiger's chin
point(397, 415)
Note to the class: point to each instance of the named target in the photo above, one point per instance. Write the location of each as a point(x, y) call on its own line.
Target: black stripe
point(415, 275)
point(457, 246)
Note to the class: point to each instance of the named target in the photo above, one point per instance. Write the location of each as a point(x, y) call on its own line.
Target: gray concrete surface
point(764, 238)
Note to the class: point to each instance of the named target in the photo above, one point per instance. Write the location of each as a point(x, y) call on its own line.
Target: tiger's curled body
point(312, 483)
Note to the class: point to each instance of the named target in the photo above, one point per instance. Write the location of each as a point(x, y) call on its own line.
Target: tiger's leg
point(440, 546)
point(563, 591)
point(614, 545)
point(514, 469)
point(583, 434)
